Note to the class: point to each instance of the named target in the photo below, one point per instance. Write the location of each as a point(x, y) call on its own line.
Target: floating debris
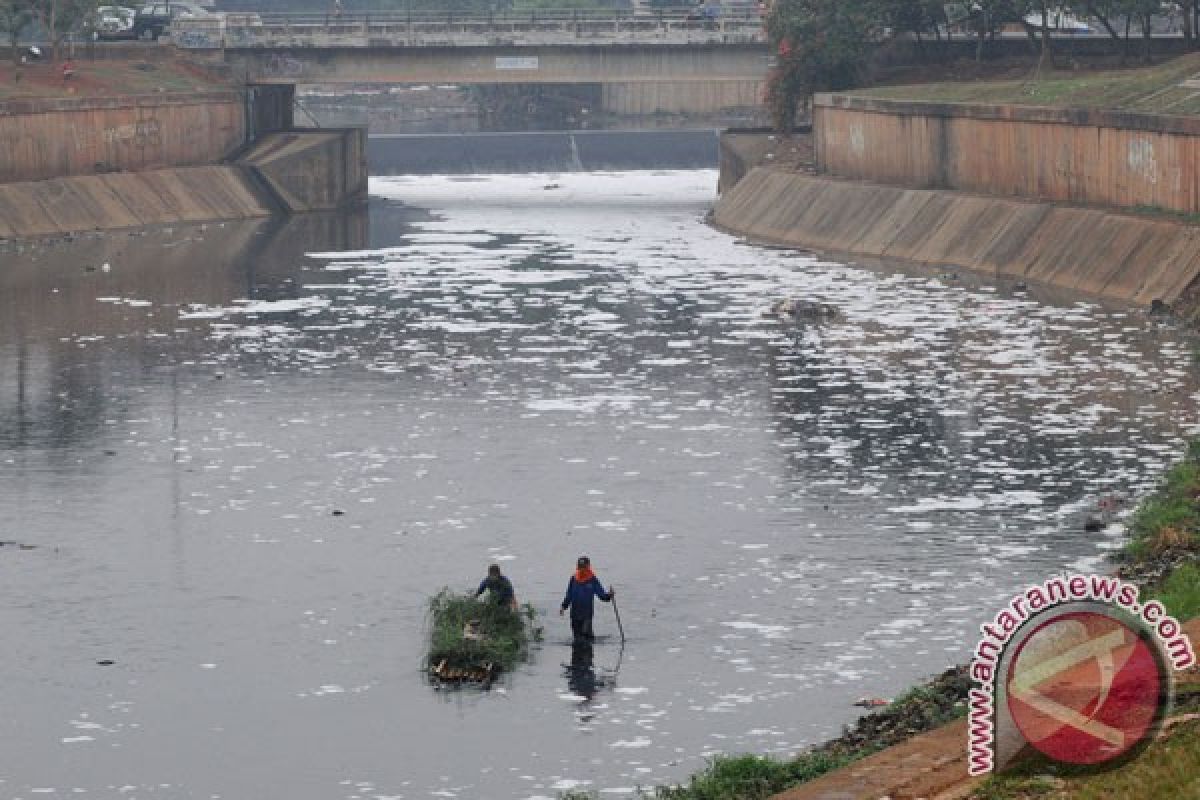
point(872, 702)
point(795, 309)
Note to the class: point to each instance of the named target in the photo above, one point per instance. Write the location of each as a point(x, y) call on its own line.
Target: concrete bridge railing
point(447, 29)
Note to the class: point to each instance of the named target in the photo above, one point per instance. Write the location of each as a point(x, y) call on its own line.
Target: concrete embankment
point(128, 200)
point(287, 172)
point(70, 165)
point(1105, 254)
point(541, 151)
point(316, 170)
point(46, 138)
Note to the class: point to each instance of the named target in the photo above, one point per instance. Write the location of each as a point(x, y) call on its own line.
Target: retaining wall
point(51, 138)
point(541, 151)
point(741, 151)
point(312, 170)
point(1087, 157)
point(633, 98)
point(129, 200)
point(1126, 258)
point(288, 172)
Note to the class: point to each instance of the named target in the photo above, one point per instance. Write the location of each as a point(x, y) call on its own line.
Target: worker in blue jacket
point(499, 588)
point(581, 588)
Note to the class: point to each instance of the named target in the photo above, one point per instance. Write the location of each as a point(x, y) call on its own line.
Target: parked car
point(152, 21)
point(114, 22)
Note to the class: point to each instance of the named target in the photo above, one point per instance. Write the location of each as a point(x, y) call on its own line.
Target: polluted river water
point(238, 460)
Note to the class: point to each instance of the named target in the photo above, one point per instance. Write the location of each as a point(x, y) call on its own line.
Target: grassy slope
point(1153, 89)
point(1163, 553)
point(1168, 770)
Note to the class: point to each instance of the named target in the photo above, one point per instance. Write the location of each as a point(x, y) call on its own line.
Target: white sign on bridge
point(516, 62)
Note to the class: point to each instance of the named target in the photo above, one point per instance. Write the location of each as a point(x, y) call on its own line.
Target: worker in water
point(581, 588)
point(499, 588)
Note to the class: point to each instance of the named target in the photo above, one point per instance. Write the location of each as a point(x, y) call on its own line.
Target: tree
point(59, 18)
point(917, 17)
point(820, 45)
point(15, 15)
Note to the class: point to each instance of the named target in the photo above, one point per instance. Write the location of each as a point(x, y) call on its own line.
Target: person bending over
point(499, 588)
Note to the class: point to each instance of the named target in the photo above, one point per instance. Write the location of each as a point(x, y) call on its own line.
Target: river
point(238, 460)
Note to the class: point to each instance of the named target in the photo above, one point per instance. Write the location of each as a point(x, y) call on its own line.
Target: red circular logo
point(1085, 688)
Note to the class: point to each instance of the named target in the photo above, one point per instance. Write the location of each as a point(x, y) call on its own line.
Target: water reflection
point(82, 320)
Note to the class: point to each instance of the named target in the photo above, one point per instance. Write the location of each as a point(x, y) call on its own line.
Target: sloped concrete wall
point(1087, 157)
point(740, 152)
point(129, 200)
point(314, 170)
point(53, 138)
point(1126, 258)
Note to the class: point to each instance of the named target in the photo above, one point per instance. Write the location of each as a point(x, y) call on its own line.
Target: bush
point(1181, 592)
point(751, 777)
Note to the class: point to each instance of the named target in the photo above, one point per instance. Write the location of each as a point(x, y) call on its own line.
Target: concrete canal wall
point(636, 98)
point(1096, 252)
point(1086, 157)
point(128, 200)
point(541, 151)
point(53, 138)
point(290, 172)
point(312, 170)
point(69, 165)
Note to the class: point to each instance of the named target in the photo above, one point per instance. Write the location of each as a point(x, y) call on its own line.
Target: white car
point(114, 22)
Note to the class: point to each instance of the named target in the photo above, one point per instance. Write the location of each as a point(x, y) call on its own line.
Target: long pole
point(620, 628)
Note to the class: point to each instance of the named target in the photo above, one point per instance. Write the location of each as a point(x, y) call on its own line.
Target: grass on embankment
point(1163, 553)
point(1168, 770)
point(1153, 89)
point(749, 777)
point(1163, 557)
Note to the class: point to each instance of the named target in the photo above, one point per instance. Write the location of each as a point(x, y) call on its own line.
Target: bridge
point(671, 61)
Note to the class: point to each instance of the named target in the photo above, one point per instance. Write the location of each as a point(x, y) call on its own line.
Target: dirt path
point(102, 77)
point(932, 766)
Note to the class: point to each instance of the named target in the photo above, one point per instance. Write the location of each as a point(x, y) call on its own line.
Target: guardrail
point(438, 29)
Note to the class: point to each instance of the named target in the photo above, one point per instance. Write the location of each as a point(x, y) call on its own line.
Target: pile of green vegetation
point(503, 633)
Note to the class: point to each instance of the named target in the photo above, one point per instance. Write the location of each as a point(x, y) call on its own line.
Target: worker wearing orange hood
point(581, 588)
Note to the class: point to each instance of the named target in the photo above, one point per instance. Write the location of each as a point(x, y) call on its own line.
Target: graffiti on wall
point(1141, 159)
point(858, 140)
point(140, 134)
point(283, 66)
